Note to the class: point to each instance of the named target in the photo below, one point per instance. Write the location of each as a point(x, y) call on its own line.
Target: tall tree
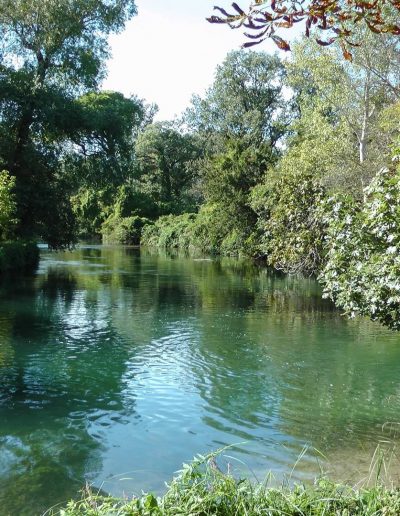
point(337, 133)
point(165, 170)
point(244, 101)
point(103, 137)
point(242, 121)
point(53, 50)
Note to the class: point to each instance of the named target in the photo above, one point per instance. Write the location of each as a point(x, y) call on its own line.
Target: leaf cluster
point(335, 20)
point(290, 223)
point(362, 269)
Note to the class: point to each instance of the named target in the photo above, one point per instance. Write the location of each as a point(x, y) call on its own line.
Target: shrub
point(210, 232)
point(123, 230)
point(90, 208)
point(170, 232)
point(290, 222)
point(210, 228)
point(362, 270)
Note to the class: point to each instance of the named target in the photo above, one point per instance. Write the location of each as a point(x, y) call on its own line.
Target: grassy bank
point(18, 256)
point(201, 489)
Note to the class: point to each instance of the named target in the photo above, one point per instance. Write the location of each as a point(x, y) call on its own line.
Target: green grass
point(201, 489)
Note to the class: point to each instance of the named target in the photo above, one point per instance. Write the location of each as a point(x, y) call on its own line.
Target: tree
point(228, 180)
point(165, 171)
point(338, 133)
point(53, 51)
point(99, 158)
point(375, 78)
point(240, 122)
point(103, 137)
point(244, 101)
point(290, 222)
point(332, 20)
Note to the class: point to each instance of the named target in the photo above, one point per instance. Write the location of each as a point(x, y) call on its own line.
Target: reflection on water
point(116, 366)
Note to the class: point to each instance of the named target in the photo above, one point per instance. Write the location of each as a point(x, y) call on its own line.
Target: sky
point(169, 51)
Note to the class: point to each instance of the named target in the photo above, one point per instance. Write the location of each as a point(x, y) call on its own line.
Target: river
point(117, 365)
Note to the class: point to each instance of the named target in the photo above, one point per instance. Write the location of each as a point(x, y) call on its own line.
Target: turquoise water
point(116, 366)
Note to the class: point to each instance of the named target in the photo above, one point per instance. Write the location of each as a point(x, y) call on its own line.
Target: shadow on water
point(111, 357)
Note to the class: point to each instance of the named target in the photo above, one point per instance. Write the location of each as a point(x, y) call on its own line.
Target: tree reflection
point(61, 377)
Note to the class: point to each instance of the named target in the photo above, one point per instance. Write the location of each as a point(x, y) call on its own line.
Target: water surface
point(118, 365)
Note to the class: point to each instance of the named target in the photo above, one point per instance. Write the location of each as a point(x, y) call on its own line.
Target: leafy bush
point(90, 208)
point(170, 232)
point(8, 205)
point(209, 232)
point(362, 270)
point(211, 226)
point(290, 222)
point(123, 230)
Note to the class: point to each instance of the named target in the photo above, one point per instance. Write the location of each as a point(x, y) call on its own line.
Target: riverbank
point(19, 255)
point(201, 489)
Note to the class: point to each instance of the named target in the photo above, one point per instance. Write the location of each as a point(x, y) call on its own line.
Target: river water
point(118, 365)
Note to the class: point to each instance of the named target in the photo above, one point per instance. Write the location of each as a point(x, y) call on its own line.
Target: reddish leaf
point(373, 28)
point(267, 17)
point(252, 26)
point(238, 9)
point(285, 25)
point(347, 55)
point(281, 43)
point(215, 19)
point(339, 17)
point(250, 44)
point(257, 36)
point(222, 11)
point(325, 43)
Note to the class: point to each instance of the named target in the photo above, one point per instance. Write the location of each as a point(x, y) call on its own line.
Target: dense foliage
point(291, 227)
point(17, 256)
point(244, 101)
point(362, 270)
point(52, 53)
point(123, 230)
point(164, 168)
point(268, 176)
point(210, 231)
point(272, 162)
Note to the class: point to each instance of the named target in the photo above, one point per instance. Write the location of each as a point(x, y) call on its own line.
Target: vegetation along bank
point(201, 489)
point(287, 159)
